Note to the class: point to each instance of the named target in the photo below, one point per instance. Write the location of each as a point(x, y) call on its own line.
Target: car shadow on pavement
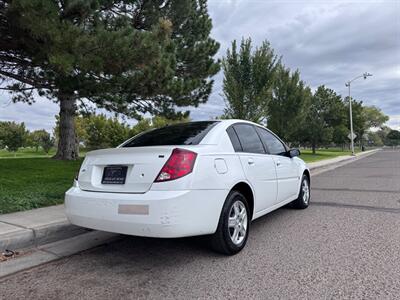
point(132, 249)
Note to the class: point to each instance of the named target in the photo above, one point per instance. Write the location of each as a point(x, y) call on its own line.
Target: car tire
point(233, 226)
point(303, 200)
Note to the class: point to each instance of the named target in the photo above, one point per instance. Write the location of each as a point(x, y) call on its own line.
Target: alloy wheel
point(306, 191)
point(237, 223)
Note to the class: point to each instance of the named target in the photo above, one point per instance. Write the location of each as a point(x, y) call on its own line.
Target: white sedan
point(196, 178)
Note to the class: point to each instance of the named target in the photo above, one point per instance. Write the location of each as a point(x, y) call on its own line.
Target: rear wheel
point(304, 195)
point(233, 225)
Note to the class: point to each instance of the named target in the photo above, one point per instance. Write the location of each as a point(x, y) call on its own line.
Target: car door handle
point(250, 161)
point(278, 163)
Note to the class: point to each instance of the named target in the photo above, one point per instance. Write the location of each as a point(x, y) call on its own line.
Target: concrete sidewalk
point(49, 224)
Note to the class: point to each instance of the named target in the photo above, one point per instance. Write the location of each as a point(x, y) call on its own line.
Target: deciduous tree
point(322, 117)
point(287, 110)
point(374, 117)
point(383, 132)
point(393, 138)
point(374, 139)
point(35, 138)
point(46, 142)
point(12, 135)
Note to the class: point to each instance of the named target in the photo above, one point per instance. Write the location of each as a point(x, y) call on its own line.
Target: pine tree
point(130, 56)
point(248, 80)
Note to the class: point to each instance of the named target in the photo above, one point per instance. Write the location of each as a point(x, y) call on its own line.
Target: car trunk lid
point(142, 167)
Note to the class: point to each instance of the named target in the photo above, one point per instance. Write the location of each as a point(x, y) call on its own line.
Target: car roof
point(214, 136)
point(228, 122)
point(232, 121)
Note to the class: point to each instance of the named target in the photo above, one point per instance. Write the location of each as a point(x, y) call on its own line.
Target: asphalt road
point(346, 245)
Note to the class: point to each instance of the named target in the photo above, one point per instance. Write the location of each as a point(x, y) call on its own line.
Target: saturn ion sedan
point(197, 178)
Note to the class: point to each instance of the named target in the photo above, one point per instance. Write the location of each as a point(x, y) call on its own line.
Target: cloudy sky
point(330, 42)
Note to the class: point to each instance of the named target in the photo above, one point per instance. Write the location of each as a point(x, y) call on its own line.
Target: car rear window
point(234, 139)
point(178, 134)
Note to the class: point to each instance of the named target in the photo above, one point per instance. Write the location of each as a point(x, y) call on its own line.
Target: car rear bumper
point(153, 214)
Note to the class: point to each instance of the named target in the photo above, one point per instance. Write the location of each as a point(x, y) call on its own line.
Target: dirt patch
point(10, 254)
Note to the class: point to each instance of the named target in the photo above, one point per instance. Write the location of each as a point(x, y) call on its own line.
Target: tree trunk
point(67, 146)
point(313, 148)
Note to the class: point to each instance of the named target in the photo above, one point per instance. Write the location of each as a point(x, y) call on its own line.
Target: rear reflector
point(179, 164)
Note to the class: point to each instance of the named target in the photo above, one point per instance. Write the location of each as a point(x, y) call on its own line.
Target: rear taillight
point(179, 164)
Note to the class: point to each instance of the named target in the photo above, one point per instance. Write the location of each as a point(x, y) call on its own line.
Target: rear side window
point(249, 138)
point(178, 134)
point(234, 139)
point(274, 145)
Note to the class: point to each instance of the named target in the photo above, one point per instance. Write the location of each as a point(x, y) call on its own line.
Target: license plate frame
point(114, 174)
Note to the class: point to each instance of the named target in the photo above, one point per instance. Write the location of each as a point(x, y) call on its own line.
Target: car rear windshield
point(178, 134)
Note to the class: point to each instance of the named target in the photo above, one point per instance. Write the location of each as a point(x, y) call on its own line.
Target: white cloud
point(37, 116)
point(394, 122)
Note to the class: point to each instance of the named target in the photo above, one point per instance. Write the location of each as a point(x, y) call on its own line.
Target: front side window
point(274, 145)
point(178, 134)
point(249, 138)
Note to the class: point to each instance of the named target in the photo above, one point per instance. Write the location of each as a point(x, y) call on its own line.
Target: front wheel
point(304, 194)
point(233, 226)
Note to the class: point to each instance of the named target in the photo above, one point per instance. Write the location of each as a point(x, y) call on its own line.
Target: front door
point(288, 178)
point(286, 167)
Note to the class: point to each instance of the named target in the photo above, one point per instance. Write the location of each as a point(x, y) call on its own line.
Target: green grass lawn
point(27, 183)
point(321, 154)
point(31, 152)
point(26, 152)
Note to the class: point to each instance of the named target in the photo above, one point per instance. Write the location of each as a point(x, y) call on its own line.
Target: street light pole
point(351, 122)
point(348, 84)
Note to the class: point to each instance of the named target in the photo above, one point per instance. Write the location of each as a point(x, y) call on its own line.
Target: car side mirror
point(294, 152)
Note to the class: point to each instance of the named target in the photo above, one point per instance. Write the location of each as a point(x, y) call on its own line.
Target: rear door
point(287, 169)
point(259, 167)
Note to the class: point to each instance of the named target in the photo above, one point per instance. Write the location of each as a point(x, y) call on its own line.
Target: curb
point(56, 250)
point(36, 227)
point(29, 237)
